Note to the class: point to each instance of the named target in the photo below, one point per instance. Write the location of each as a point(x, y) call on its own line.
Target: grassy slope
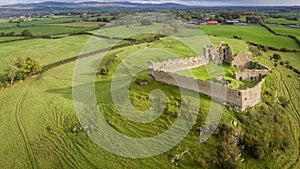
point(281, 21)
point(52, 49)
point(46, 30)
point(286, 31)
point(47, 114)
point(286, 84)
point(45, 110)
point(255, 34)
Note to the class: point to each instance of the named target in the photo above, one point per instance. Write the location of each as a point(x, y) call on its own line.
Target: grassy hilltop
point(37, 115)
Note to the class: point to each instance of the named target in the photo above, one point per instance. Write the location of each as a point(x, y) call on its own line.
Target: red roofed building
point(212, 22)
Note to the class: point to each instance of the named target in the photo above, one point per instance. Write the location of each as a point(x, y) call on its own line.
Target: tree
point(146, 21)
point(11, 74)
point(21, 69)
point(27, 33)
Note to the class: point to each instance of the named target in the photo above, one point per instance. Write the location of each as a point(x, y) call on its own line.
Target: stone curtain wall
point(215, 90)
point(178, 64)
point(251, 96)
point(165, 72)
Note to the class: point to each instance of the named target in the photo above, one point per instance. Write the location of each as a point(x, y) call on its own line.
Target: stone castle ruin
point(247, 70)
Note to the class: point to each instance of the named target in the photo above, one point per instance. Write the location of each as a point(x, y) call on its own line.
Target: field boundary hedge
point(72, 59)
point(278, 34)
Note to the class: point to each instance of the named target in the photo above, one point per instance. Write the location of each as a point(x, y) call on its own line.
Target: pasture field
point(255, 34)
point(9, 38)
point(53, 49)
point(286, 30)
point(47, 30)
point(80, 24)
point(43, 115)
point(43, 21)
point(37, 115)
point(282, 21)
point(7, 25)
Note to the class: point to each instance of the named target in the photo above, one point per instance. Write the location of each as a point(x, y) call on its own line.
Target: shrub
point(289, 66)
point(276, 56)
point(27, 33)
point(283, 101)
point(103, 71)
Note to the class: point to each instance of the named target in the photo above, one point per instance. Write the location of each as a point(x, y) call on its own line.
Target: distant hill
point(94, 4)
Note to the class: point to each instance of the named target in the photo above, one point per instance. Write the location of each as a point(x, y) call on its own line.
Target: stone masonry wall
point(241, 99)
point(178, 64)
point(251, 75)
point(251, 96)
point(217, 91)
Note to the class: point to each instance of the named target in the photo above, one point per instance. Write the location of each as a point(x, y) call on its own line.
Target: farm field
point(79, 24)
point(286, 31)
point(255, 34)
point(281, 21)
point(37, 115)
point(53, 49)
point(47, 30)
point(46, 124)
point(9, 38)
point(51, 144)
point(30, 22)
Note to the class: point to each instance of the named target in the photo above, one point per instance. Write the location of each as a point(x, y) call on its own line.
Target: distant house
point(232, 22)
point(212, 22)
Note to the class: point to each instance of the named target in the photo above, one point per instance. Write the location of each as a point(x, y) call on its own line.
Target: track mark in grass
point(24, 135)
point(1, 103)
point(286, 91)
point(78, 148)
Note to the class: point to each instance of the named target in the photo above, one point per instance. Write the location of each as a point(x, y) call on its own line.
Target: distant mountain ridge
point(95, 4)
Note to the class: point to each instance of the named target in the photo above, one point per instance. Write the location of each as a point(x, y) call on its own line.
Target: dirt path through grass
point(24, 135)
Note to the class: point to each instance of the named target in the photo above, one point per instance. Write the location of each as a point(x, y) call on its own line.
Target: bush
point(27, 33)
point(289, 66)
point(276, 56)
point(236, 37)
point(255, 51)
point(283, 101)
point(103, 71)
point(21, 69)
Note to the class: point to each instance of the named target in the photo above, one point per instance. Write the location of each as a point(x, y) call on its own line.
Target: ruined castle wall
point(251, 75)
point(217, 91)
point(178, 64)
point(251, 96)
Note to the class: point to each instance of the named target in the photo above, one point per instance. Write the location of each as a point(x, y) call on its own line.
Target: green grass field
point(37, 115)
point(281, 21)
point(53, 49)
point(9, 38)
point(43, 115)
point(80, 24)
point(286, 31)
point(49, 21)
point(47, 30)
point(255, 34)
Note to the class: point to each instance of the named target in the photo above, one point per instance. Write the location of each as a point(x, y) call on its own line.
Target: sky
point(186, 2)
